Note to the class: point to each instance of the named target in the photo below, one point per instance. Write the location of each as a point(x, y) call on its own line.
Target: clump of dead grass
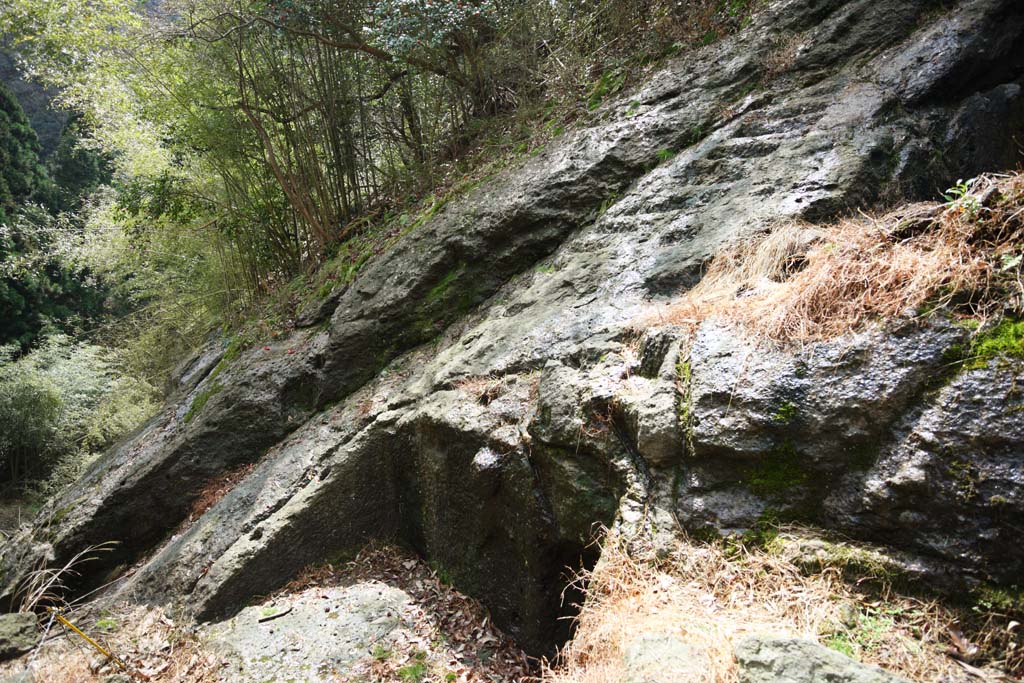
point(804, 283)
point(482, 389)
point(152, 646)
point(712, 594)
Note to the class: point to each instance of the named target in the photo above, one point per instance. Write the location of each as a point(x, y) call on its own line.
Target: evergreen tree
point(39, 290)
point(22, 176)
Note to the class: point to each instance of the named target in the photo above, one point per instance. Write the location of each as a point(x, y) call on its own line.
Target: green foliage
point(252, 142)
point(409, 27)
point(869, 630)
point(608, 84)
point(77, 169)
point(22, 176)
point(30, 409)
point(41, 287)
point(60, 403)
point(1005, 599)
point(960, 196)
point(786, 413)
point(106, 624)
point(415, 672)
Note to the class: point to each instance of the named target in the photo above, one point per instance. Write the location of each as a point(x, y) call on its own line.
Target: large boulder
point(480, 391)
point(769, 659)
point(19, 633)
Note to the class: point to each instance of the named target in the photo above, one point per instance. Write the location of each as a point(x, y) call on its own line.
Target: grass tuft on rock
point(799, 282)
point(710, 594)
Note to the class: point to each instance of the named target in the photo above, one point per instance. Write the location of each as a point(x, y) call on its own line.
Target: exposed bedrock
point(476, 392)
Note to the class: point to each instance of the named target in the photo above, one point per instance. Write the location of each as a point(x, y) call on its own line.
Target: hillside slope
point(481, 393)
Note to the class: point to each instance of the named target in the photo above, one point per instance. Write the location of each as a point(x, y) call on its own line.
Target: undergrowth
point(711, 594)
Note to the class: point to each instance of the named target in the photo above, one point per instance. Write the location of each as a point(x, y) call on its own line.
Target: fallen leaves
point(453, 639)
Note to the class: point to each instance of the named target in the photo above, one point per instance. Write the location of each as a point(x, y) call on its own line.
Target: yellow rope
point(100, 648)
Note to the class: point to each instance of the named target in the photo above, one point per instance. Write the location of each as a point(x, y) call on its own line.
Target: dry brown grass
point(803, 283)
point(153, 647)
point(713, 594)
point(482, 389)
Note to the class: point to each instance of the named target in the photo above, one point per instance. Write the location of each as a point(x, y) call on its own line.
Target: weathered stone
point(318, 634)
point(663, 658)
point(25, 676)
point(19, 633)
point(370, 428)
point(768, 659)
point(813, 554)
point(117, 678)
point(656, 657)
point(955, 464)
point(651, 408)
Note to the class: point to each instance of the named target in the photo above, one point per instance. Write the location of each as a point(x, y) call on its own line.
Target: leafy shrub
point(29, 411)
point(61, 403)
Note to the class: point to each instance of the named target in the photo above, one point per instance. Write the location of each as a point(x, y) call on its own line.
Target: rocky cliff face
point(481, 394)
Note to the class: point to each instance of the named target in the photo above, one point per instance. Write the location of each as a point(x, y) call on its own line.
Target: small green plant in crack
point(665, 154)
point(697, 133)
point(870, 630)
point(965, 477)
point(380, 653)
point(415, 672)
point(959, 196)
point(609, 83)
point(786, 413)
point(608, 203)
point(440, 291)
point(684, 409)
point(443, 575)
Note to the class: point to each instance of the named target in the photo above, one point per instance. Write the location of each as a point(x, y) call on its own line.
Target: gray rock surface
point(310, 637)
point(768, 659)
point(19, 633)
point(480, 394)
point(663, 658)
point(20, 677)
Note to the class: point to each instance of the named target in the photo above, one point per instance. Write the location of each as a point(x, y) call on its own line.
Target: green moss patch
point(200, 400)
point(440, 291)
point(778, 471)
point(1004, 340)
